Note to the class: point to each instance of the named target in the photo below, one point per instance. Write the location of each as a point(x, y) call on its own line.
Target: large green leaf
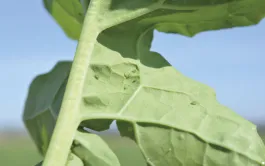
point(184, 17)
point(173, 119)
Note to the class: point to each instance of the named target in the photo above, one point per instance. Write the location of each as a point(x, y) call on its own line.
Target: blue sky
point(231, 61)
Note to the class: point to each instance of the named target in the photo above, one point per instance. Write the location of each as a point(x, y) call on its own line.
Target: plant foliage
point(173, 119)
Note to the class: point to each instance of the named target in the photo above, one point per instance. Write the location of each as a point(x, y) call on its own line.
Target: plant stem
point(69, 116)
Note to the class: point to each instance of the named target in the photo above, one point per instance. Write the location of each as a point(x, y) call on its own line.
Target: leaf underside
point(173, 119)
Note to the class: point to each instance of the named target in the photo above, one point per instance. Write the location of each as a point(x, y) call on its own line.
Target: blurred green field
point(20, 151)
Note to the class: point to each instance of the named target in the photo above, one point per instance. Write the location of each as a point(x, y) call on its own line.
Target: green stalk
point(69, 116)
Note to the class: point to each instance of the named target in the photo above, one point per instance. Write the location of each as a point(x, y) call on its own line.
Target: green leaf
point(92, 150)
point(173, 119)
point(67, 13)
point(43, 104)
point(183, 17)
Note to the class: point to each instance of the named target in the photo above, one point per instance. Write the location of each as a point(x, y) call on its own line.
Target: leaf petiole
point(68, 118)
